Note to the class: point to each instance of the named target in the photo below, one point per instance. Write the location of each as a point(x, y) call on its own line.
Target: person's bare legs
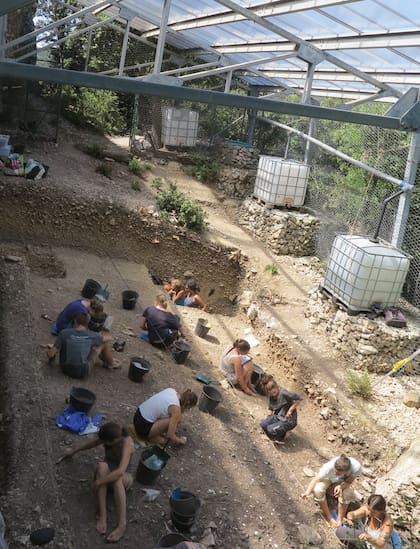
point(248, 370)
point(101, 471)
point(158, 430)
point(341, 513)
point(105, 353)
point(120, 502)
point(324, 508)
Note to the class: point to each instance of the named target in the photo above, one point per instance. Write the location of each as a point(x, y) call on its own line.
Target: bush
point(359, 383)
point(135, 185)
point(138, 167)
point(203, 168)
point(95, 149)
point(188, 212)
point(157, 183)
point(104, 169)
point(272, 268)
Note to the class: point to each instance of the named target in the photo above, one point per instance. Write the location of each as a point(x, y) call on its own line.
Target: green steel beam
point(139, 87)
point(7, 6)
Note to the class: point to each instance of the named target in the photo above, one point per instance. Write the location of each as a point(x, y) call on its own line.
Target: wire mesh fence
point(345, 198)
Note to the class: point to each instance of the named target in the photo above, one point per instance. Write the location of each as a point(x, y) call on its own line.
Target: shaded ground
point(249, 487)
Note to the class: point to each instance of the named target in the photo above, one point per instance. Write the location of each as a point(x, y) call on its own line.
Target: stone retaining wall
point(285, 232)
point(367, 344)
point(237, 170)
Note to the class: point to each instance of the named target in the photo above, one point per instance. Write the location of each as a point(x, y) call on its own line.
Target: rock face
point(285, 232)
point(367, 344)
point(237, 170)
point(401, 488)
point(412, 399)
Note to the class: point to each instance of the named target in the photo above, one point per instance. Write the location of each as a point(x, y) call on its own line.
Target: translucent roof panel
point(379, 37)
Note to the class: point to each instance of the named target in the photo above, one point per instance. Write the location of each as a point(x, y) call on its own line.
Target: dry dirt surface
point(249, 488)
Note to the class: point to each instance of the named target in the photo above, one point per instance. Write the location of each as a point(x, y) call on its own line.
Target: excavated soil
point(76, 225)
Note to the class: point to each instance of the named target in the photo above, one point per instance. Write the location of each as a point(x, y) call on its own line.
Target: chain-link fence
point(346, 199)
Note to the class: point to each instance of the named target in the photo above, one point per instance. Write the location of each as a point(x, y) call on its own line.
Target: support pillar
point(306, 98)
point(162, 36)
point(413, 161)
point(252, 118)
point(88, 47)
point(228, 82)
point(124, 48)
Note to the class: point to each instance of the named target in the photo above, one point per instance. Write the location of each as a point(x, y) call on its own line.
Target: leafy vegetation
point(138, 167)
point(203, 167)
point(135, 185)
point(95, 150)
point(187, 212)
point(272, 268)
point(157, 183)
point(104, 169)
point(359, 383)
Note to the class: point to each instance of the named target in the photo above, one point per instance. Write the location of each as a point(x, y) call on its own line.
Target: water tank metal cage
point(361, 272)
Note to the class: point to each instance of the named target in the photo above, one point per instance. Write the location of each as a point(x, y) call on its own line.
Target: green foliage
point(95, 150)
point(272, 267)
point(104, 169)
point(138, 167)
point(359, 383)
point(93, 108)
point(187, 212)
point(157, 183)
point(135, 185)
point(203, 167)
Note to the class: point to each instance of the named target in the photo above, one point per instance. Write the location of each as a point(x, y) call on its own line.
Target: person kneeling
point(283, 415)
point(157, 418)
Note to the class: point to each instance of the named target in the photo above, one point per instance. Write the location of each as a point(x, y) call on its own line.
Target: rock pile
point(237, 170)
point(367, 344)
point(285, 232)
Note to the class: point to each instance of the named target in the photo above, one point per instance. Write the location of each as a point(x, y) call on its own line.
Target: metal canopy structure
point(353, 50)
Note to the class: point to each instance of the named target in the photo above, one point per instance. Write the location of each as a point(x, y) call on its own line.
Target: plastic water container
point(4, 140)
point(5, 151)
point(179, 127)
point(281, 182)
point(361, 272)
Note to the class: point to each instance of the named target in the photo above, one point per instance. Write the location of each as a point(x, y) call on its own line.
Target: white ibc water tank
point(179, 127)
point(281, 182)
point(361, 272)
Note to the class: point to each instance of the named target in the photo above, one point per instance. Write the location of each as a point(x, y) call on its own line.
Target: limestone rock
point(308, 536)
point(412, 399)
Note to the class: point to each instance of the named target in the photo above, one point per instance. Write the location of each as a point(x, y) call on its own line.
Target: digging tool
point(399, 366)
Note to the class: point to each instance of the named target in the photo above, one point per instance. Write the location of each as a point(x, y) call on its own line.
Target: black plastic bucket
point(181, 351)
point(202, 327)
point(138, 367)
point(90, 288)
point(185, 505)
point(82, 399)
point(96, 323)
point(183, 524)
point(169, 540)
point(129, 299)
point(209, 399)
point(256, 378)
point(152, 462)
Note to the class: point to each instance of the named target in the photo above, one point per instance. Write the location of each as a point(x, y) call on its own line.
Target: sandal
point(116, 365)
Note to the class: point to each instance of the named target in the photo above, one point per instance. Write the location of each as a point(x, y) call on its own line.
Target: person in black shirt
point(283, 415)
point(162, 326)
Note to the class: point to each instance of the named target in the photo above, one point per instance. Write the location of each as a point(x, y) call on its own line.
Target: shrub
point(95, 150)
point(203, 168)
point(272, 268)
point(157, 183)
point(359, 383)
point(138, 167)
point(135, 185)
point(104, 169)
point(188, 212)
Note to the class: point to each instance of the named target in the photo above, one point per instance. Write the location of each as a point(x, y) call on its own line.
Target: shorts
point(141, 425)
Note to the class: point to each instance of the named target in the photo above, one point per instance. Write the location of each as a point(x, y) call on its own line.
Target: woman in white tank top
point(237, 365)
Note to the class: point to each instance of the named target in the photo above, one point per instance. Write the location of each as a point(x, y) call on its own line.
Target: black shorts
point(141, 425)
